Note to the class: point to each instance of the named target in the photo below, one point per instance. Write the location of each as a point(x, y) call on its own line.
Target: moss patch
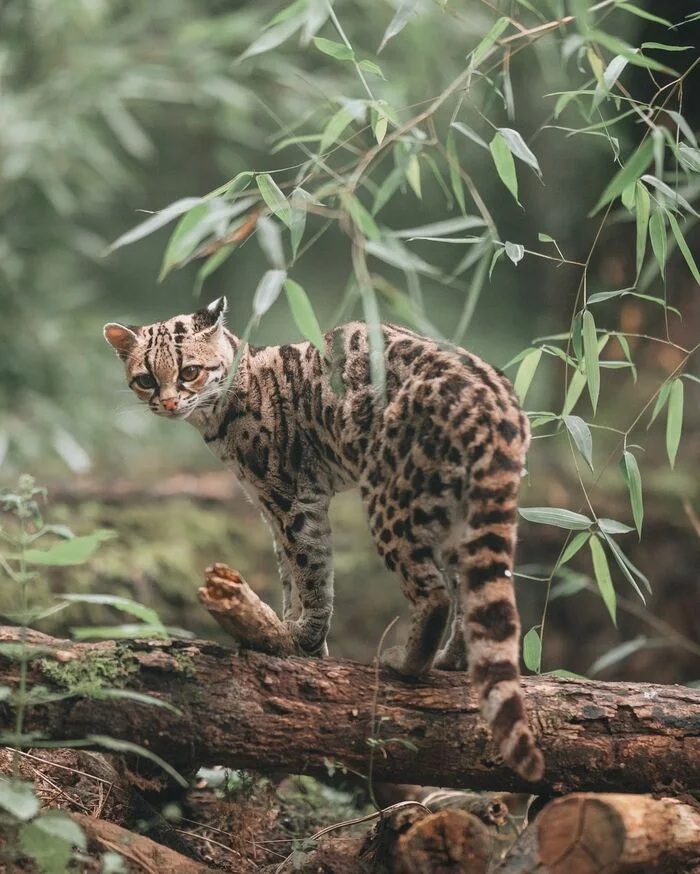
point(109, 668)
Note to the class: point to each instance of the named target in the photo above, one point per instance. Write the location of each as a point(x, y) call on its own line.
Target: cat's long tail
point(492, 626)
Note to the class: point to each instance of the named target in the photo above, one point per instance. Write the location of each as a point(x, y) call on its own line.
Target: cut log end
point(241, 613)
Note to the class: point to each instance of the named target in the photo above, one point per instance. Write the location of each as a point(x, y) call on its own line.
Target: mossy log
point(252, 710)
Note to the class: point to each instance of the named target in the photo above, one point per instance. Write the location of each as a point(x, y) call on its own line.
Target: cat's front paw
point(304, 645)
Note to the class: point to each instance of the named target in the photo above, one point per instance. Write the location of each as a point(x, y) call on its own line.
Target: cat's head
point(179, 365)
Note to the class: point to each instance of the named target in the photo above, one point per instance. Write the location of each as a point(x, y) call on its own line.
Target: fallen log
point(620, 834)
point(140, 853)
point(255, 711)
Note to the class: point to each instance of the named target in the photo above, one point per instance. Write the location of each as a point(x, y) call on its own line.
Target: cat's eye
point(145, 381)
point(191, 372)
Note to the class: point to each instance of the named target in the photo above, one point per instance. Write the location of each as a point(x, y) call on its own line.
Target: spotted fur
point(438, 461)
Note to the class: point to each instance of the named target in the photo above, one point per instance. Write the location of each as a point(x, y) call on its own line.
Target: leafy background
point(112, 113)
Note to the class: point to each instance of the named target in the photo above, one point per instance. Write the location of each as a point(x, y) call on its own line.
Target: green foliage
point(49, 838)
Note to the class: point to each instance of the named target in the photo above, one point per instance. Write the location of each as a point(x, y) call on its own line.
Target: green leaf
point(532, 651)
point(182, 241)
point(139, 698)
point(630, 473)
point(478, 54)
point(626, 566)
point(124, 746)
point(519, 148)
point(126, 605)
point(380, 123)
point(643, 209)
point(303, 314)
point(377, 365)
point(370, 67)
point(674, 422)
point(676, 200)
point(515, 251)
point(505, 165)
point(563, 674)
point(337, 124)
point(576, 543)
point(683, 246)
point(413, 175)
point(269, 239)
point(155, 222)
point(633, 169)
point(59, 825)
point(590, 353)
point(603, 578)
point(404, 11)
point(612, 526)
point(299, 201)
point(336, 50)
point(18, 799)
point(268, 291)
point(499, 252)
point(274, 198)
point(555, 516)
point(633, 55)
point(272, 37)
point(453, 163)
point(610, 75)
point(469, 134)
point(526, 373)
point(617, 654)
point(642, 13)
point(125, 631)
point(657, 235)
point(361, 218)
point(436, 229)
point(212, 264)
point(581, 435)
point(388, 188)
point(661, 399)
point(70, 552)
point(51, 852)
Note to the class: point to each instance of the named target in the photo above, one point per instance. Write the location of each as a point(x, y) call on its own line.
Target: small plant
point(51, 838)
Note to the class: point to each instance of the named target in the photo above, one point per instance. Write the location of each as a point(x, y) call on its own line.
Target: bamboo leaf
point(488, 41)
point(517, 145)
point(297, 226)
point(154, 222)
point(573, 546)
point(335, 49)
point(555, 516)
point(581, 435)
point(405, 10)
point(633, 169)
point(683, 246)
point(212, 263)
point(603, 578)
point(274, 198)
point(515, 251)
point(630, 473)
point(612, 526)
point(590, 355)
point(627, 567)
point(77, 550)
point(532, 651)
point(643, 209)
point(657, 235)
point(269, 239)
point(526, 373)
point(272, 37)
point(303, 314)
point(335, 127)
point(413, 175)
point(674, 421)
point(469, 134)
point(268, 291)
point(661, 399)
point(455, 178)
point(125, 605)
point(505, 165)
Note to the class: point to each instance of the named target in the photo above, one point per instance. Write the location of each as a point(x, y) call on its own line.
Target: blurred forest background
point(111, 109)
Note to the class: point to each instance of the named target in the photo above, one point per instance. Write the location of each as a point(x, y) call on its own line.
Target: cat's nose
point(170, 404)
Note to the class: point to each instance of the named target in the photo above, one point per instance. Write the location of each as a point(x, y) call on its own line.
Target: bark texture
point(252, 710)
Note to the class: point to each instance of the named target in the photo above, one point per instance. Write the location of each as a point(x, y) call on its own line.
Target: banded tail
point(492, 625)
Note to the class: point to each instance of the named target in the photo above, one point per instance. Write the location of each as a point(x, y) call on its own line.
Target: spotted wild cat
point(438, 461)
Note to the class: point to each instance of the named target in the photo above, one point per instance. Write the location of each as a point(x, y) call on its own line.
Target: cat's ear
point(211, 318)
point(121, 338)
